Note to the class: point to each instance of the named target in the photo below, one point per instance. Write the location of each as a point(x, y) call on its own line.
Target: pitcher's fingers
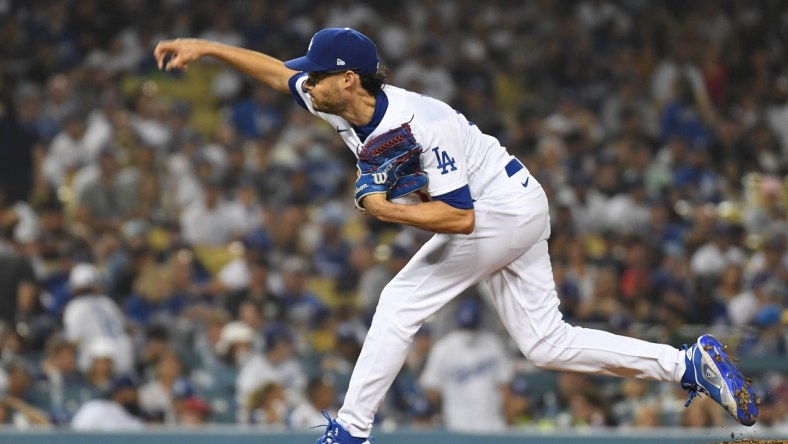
point(160, 52)
point(175, 62)
point(159, 56)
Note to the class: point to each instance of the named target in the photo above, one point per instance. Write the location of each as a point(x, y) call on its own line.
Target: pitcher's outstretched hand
point(182, 51)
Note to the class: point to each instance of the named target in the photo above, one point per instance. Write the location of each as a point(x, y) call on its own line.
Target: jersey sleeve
point(296, 84)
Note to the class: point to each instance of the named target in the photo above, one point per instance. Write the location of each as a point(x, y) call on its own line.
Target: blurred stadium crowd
point(183, 248)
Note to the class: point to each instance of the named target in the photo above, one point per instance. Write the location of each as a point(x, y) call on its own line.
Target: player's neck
point(360, 109)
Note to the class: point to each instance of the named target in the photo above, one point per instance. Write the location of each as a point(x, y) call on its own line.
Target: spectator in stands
point(299, 302)
point(710, 259)
point(682, 117)
point(320, 397)
point(605, 300)
point(266, 405)
point(117, 410)
point(467, 372)
point(19, 396)
point(19, 284)
point(278, 364)
point(772, 260)
point(332, 254)
point(103, 202)
point(424, 73)
point(338, 363)
point(246, 206)
point(768, 340)
point(763, 291)
point(194, 412)
point(518, 408)
point(209, 221)
point(25, 128)
point(155, 397)
point(421, 414)
point(706, 416)
point(92, 316)
point(20, 414)
point(154, 347)
point(589, 409)
point(561, 393)
point(68, 151)
point(218, 371)
point(647, 416)
point(259, 115)
point(634, 403)
point(209, 345)
point(766, 205)
point(59, 388)
point(580, 269)
point(101, 367)
point(390, 260)
point(730, 285)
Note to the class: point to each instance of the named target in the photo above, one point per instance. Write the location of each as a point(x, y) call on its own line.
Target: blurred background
point(214, 218)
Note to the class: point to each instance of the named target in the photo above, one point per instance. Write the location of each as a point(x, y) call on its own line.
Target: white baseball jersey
point(455, 153)
point(90, 317)
point(468, 369)
point(507, 250)
point(102, 414)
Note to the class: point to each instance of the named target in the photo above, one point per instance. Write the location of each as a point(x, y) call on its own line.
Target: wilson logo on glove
point(380, 178)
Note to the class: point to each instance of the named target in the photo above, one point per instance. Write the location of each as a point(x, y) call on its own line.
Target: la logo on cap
point(340, 62)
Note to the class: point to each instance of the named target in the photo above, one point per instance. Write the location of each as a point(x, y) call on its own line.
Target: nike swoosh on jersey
point(342, 130)
point(525, 184)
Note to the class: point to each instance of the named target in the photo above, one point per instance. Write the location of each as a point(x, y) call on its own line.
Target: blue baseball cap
point(334, 49)
point(469, 314)
point(277, 334)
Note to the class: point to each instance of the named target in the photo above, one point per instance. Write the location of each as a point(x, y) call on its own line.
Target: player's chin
point(317, 106)
point(325, 107)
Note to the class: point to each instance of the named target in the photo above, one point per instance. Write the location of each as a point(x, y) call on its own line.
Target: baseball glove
point(391, 164)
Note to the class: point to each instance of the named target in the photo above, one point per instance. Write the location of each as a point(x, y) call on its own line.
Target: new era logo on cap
point(338, 48)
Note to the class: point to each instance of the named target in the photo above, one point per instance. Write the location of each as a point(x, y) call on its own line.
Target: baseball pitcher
point(422, 163)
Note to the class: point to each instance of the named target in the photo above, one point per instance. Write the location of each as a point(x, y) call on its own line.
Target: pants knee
point(395, 317)
point(539, 359)
point(546, 351)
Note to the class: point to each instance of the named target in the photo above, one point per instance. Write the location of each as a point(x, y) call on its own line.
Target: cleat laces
point(694, 389)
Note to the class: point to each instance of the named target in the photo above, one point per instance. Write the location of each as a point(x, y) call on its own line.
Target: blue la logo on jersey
point(444, 161)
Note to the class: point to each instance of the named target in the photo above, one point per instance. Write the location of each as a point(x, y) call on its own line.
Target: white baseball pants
point(508, 250)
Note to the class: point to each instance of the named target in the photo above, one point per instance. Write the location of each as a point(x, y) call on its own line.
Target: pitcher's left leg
point(525, 297)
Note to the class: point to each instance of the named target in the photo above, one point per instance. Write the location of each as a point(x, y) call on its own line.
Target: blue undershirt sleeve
point(459, 198)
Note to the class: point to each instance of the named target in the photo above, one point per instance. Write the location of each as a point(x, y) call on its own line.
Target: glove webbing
point(376, 150)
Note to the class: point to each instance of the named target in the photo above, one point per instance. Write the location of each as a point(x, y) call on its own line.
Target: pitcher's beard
point(329, 103)
point(326, 107)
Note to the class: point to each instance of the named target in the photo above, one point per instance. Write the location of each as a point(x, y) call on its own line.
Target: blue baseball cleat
point(711, 371)
point(336, 434)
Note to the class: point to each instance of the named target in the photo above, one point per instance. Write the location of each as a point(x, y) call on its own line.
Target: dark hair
point(373, 83)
